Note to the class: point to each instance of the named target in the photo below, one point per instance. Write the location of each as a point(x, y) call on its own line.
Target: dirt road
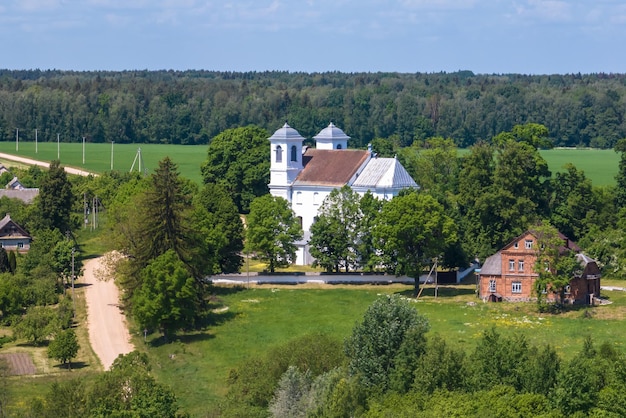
point(30, 161)
point(108, 333)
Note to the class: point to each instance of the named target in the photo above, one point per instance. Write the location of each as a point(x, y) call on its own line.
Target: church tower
point(286, 160)
point(331, 137)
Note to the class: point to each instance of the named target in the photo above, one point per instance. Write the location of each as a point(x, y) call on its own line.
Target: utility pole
point(83, 150)
point(36, 147)
point(17, 139)
point(73, 299)
point(58, 148)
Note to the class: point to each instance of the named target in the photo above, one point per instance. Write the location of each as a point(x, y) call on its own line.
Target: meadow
point(600, 166)
point(197, 365)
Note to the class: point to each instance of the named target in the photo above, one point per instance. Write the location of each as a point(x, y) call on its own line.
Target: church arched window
point(338, 146)
point(294, 153)
point(279, 154)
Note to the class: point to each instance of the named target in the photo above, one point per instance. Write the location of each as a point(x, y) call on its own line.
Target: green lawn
point(197, 365)
point(599, 165)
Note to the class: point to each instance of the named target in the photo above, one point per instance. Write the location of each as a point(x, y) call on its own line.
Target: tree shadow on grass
point(190, 337)
point(442, 292)
point(76, 365)
point(225, 290)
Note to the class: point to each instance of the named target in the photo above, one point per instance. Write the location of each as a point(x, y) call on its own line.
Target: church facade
point(306, 176)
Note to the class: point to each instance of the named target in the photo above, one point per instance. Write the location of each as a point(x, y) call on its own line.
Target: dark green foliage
point(64, 347)
point(168, 298)
point(218, 222)
point(37, 325)
point(155, 219)
point(441, 368)
point(385, 346)
point(5, 266)
point(12, 261)
point(190, 107)
point(67, 398)
point(272, 231)
point(335, 232)
point(127, 390)
point(252, 385)
point(620, 190)
point(238, 159)
point(498, 361)
point(572, 203)
point(412, 229)
point(55, 199)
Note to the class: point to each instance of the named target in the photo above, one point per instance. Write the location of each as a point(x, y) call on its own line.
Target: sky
point(409, 36)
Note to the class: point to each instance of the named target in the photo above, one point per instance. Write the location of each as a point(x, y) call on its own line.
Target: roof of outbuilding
point(25, 195)
point(384, 173)
point(492, 265)
point(330, 167)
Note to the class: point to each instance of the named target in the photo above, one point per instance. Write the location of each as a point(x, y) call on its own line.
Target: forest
point(192, 107)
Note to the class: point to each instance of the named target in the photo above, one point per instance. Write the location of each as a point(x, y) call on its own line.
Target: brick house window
point(492, 285)
point(516, 287)
point(528, 244)
point(511, 265)
point(20, 245)
point(516, 245)
point(520, 265)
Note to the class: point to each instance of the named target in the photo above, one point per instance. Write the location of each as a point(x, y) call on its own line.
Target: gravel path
point(30, 161)
point(108, 332)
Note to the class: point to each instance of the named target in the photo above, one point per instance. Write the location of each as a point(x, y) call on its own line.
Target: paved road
point(30, 161)
point(108, 333)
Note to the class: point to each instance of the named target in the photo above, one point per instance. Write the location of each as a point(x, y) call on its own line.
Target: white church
point(305, 176)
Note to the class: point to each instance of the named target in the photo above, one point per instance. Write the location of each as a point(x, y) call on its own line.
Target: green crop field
point(599, 165)
point(98, 156)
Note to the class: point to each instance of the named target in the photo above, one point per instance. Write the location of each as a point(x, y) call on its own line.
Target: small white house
point(306, 176)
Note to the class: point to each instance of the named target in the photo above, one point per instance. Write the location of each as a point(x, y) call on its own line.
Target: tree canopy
point(272, 231)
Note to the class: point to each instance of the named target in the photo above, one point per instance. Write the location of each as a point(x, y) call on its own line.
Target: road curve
point(108, 333)
point(30, 161)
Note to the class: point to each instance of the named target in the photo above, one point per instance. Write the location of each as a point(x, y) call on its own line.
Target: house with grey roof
point(12, 236)
point(306, 176)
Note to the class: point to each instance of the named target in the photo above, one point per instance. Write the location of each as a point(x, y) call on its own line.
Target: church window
point(316, 198)
point(279, 154)
point(294, 153)
point(338, 146)
point(298, 198)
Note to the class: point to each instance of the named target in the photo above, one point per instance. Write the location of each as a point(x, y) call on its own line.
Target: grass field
point(599, 165)
point(98, 156)
point(197, 365)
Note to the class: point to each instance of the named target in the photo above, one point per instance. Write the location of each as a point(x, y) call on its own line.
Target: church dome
point(286, 133)
point(330, 133)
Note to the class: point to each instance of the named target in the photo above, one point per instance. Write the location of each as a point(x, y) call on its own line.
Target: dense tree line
point(192, 107)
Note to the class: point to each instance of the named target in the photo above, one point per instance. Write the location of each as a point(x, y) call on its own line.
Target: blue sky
point(484, 36)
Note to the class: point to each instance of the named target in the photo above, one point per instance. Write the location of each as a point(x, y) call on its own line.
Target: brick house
point(510, 274)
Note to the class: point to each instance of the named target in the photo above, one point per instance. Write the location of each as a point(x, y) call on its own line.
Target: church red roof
point(330, 167)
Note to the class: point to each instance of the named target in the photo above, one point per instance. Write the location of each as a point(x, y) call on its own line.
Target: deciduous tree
point(272, 231)
point(239, 160)
point(411, 230)
point(64, 347)
point(391, 328)
point(167, 299)
point(335, 232)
